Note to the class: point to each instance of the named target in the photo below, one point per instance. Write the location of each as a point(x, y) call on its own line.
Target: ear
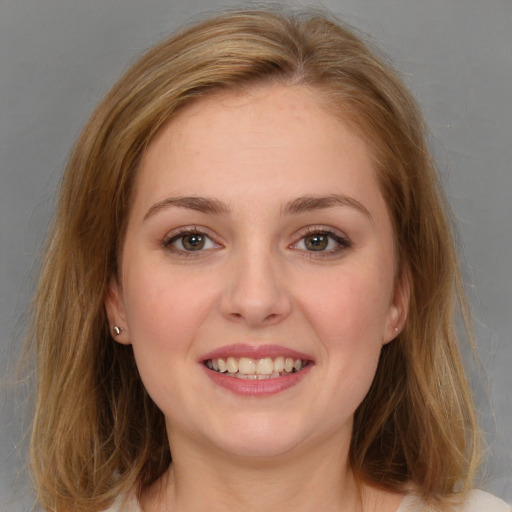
point(116, 315)
point(398, 308)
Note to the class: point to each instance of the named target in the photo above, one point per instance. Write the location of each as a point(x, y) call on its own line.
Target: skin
point(258, 282)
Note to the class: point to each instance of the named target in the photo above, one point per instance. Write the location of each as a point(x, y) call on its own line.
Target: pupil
point(317, 242)
point(193, 242)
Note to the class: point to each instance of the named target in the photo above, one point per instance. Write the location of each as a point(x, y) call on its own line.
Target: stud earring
point(396, 329)
point(117, 330)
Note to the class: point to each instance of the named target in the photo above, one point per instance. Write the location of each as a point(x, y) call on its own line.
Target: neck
point(305, 479)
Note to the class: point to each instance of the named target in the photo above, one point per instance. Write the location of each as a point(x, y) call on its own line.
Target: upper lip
point(254, 351)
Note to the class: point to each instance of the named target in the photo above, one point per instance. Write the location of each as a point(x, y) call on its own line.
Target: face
point(257, 278)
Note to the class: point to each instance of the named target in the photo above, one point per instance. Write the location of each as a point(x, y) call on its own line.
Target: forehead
point(273, 140)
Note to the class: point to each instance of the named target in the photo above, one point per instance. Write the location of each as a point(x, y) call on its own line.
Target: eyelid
point(342, 240)
point(183, 231)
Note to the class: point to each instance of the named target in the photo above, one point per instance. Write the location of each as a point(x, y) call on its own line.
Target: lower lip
point(259, 388)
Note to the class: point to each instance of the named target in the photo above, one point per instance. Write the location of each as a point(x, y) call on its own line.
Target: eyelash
point(342, 243)
point(181, 234)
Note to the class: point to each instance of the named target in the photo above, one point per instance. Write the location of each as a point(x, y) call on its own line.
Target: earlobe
point(398, 309)
point(115, 313)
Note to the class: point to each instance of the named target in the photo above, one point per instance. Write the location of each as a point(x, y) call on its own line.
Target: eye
point(187, 241)
point(317, 242)
point(322, 241)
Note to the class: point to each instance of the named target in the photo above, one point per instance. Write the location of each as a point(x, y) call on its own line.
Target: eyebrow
point(200, 204)
point(300, 205)
point(313, 202)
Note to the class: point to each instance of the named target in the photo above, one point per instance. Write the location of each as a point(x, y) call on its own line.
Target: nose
point(255, 291)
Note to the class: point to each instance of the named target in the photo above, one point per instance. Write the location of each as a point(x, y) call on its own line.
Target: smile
point(256, 369)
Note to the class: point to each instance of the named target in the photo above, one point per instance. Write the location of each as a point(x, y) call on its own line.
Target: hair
point(96, 432)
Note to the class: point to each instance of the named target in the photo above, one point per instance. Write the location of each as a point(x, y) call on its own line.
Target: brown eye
point(316, 242)
point(187, 242)
point(322, 243)
point(193, 242)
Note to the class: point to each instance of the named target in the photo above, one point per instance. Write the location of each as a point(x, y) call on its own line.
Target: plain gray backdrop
point(58, 57)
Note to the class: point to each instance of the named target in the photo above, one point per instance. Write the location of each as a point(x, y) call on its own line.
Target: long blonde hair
point(96, 433)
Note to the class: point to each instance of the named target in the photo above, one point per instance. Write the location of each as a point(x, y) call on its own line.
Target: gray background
point(58, 57)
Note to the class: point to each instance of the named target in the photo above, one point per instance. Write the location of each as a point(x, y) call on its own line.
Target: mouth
point(256, 370)
point(263, 368)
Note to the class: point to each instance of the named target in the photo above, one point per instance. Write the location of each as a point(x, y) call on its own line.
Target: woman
point(249, 289)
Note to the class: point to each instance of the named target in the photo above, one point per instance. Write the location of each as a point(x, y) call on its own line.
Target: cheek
point(352, 304)
point(163, 311)
point(348, 313)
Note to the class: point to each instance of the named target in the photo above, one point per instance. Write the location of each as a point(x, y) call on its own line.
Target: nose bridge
point(256, 291)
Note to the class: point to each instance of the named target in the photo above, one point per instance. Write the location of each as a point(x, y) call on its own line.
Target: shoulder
point(475, 501)
point(481, 501)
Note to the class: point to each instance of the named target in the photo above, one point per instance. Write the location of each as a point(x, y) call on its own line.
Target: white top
point(477, 501)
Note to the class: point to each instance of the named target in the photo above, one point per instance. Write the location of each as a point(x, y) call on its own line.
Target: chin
point(257, 447)
point(257, 437)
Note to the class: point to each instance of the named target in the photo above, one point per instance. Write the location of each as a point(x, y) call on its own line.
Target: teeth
point(279, 364)
point(248, 368)
point(232, 365)
point(265, 366)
